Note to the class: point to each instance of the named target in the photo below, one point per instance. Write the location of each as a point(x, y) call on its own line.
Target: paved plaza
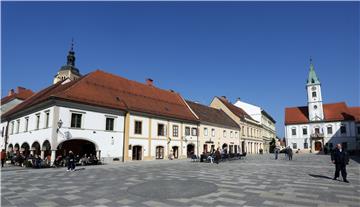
point(259, 180)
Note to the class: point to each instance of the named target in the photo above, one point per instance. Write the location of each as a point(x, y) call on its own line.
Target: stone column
point(42, 154)
point(53, 154)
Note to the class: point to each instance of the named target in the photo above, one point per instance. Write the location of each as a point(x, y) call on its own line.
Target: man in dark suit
point(340, 158)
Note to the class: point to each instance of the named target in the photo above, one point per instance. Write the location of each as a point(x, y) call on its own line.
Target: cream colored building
point(250, 130)
point(268, 131)
point(68, 71)
point(216, 129)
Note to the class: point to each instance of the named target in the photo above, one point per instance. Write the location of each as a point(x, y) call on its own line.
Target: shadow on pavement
point(355, 158)
point(320, 176)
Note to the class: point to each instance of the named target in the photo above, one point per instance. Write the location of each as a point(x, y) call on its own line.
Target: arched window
point(313, 94)
point(159, 152)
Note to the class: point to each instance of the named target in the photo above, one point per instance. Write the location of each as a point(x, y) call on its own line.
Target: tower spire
point(72, 44)
point(312, 79)
point(71, 55)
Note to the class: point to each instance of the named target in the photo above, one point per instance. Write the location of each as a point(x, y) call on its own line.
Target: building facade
point(216, 130)
point(268, 131)
point(249, 129)
point(318, 127)
point(103, 114)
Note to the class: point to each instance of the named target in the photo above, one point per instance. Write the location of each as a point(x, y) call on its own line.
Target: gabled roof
point(332, 112)
point(107, 90)
point(212, 115)
point(355, 111)
point(21, 94)
point(239, 112)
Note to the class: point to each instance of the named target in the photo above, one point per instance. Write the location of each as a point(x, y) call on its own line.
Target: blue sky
point(257, 51)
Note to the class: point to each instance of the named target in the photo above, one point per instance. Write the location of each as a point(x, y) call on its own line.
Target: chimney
point(224, 97)
point(238, 99)
point(11, 92)
point(149, 82)
point(20, 89)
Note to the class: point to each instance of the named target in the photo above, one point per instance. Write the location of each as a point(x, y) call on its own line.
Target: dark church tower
point(68, 71)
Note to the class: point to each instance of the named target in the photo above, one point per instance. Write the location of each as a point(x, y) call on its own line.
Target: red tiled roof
point(236, 110)
point(332, 112)
point(22, 95)
point(355, 111)
point(107, 90)
point(212, 115)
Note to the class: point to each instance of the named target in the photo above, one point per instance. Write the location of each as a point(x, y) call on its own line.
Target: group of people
point(20, 159)
point(213, 156)
point(71, 160)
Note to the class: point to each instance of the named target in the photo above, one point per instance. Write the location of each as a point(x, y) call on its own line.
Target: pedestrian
point(3, 157)
point(290, 153)
point(217, 156)
point(340, 158)
point(277, 149)
point(71, 161)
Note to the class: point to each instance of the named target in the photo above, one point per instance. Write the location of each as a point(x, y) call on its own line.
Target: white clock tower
point(313, 87)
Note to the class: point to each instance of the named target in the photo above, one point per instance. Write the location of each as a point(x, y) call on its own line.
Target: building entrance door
point(318, 146)
point(137, 153)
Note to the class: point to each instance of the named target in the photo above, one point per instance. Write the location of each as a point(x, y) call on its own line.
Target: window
point(231, 134)
point(205, 131)
point(138, 127)
point(175, 130)
point(294, 146)
point(161, 130)
point(224, 133)
point(12, 127)
point(247, 131)
point(187, 131)
point(75, 120)
point(243, 131)
point(213, 132)
point(293, 131)
point(317, 130)
point(17, 126)
point(343, 129)
point(344, 145)
point(26, 124)
point(47, 114)
point(236, 135)
point(314, 94)
point(304, 131)
point(37, 121)
point(329, 130)
point(306, 146)
point(159, 152)
point(109, 124)
point(358, 129)
point(194, 131)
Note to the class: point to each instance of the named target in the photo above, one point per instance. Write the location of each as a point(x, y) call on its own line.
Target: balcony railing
point(317, 135)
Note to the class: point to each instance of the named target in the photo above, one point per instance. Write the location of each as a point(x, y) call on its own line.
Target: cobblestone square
point(258, 180)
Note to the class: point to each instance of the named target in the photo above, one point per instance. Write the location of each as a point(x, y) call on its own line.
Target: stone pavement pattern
point(259, 180)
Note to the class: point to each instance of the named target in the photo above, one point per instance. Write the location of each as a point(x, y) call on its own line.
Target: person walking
point(277, 149)
point(340, 158)
point(290, 153)
point(71, 161)
point(217, 156)
point(3, 157)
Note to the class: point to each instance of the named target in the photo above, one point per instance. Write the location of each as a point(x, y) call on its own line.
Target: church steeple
point(312, 79)
point(71, 55)
point(68, 71)
point(314, 96)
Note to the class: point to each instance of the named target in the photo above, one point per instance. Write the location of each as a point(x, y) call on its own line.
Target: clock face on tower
point(315, 107)
point(313, 88)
